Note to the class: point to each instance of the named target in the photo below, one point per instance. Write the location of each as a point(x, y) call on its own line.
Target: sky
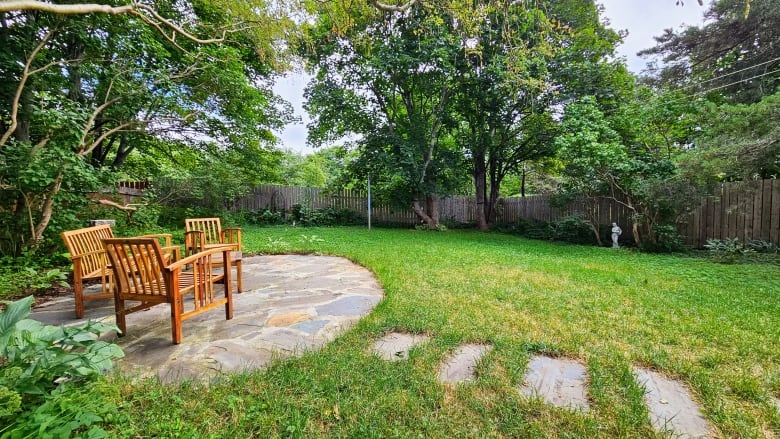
point(643, 19)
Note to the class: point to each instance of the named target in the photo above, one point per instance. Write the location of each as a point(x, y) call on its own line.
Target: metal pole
point(369, 202)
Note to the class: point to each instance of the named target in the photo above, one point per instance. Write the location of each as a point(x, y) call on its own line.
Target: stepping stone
point(396, 345)
point(559, 382)
point(461, 365)
point(671, 406)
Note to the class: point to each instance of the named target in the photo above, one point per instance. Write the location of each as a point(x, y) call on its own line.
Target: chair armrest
point(194, 242)
point(232, 235)
point(193, 258)
point(173, 250)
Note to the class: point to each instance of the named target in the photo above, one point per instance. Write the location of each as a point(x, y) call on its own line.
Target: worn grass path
point(714, 327)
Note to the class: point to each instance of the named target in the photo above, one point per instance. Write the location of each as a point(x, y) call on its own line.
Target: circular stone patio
point(290, 303)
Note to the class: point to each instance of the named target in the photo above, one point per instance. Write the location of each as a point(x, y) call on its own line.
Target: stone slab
point(396, 345)
point(462, 364)
point(672, 409)
point(348, 306)
point(557, 381)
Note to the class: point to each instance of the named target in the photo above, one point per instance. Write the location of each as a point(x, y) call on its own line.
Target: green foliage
point(105, 91)
point(707, 325)
point(265, 217)
point(761, 246)
point(667, 240)
point(736, 142)
point(426, 228)
point(573, 229)
point(42, 368)
point(728, 251)
point(733, 53)
point(30, 273)
point(328, 216)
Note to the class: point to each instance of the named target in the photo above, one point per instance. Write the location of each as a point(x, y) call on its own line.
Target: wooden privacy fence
point(744, 210)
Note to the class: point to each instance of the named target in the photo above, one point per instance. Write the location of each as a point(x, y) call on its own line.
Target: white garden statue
point(616, 232)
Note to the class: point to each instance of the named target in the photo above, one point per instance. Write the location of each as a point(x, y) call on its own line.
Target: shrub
point(760, 246)
point(306, 216)
point(727, 251)
point(667, 240)
point(42, 370)
point(265, 217)
point(574, 229)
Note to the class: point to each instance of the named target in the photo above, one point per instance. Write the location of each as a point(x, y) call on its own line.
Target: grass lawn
point(714, 327)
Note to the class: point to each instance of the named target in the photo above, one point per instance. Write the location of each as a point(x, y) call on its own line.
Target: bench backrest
point(87, 245)
point(212, 227)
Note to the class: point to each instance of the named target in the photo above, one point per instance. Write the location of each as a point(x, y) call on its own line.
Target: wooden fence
point(744, 210)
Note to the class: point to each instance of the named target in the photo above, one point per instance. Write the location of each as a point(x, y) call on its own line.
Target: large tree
point(523, 59)
point(735, 54)
point(389, 79)
point(92, 88)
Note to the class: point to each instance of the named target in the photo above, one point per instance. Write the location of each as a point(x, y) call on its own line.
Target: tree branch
point(22, 81)
point(144, 12)
point(393, 8)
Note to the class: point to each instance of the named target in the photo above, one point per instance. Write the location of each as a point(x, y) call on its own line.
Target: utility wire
point(735, 83)
point(728, 74)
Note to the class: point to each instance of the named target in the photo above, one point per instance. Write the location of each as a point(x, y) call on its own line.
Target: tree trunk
point(480, 177)
point(47, 209)
point(522, 181)
point(428, 214)
point(22, 132)
point(495, 184)
point(432, 204)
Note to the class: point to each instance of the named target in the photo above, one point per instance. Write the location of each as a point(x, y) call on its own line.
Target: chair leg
point(121, 323)
point(78, 290)
point(237, 263)
point(176, 310)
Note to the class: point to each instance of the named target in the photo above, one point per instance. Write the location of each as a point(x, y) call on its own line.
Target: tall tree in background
point(388, 79)
point(735, 54)
point(522, 59)
point(84, 90)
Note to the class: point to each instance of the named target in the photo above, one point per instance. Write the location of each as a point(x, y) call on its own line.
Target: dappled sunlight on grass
point(714, 327)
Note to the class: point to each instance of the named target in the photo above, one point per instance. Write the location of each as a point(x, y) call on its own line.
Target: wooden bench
point(142, 274)
point(206, 233)
point(89, 260)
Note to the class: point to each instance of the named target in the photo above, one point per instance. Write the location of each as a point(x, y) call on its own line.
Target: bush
point(760, 246)
point(306, 216)
point(43, 367)
point(667, 240)
point(574, 229)
point(264, 217)
point(727, 251)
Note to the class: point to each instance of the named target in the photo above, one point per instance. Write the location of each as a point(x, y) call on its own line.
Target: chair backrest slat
point(212, 227)
point(88, 240)
point(138, 264)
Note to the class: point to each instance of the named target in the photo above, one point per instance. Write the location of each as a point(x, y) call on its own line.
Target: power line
point(729, 74)
point(737, 82)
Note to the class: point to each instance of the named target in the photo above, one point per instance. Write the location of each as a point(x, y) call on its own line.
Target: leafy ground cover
point(714, 327)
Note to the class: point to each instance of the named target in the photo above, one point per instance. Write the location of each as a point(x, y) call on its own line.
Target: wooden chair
point(142, 274)
point(195, 241)
point(89, 260)
point(214, 236)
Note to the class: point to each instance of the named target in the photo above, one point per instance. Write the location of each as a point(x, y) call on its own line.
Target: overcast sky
point(643, 19)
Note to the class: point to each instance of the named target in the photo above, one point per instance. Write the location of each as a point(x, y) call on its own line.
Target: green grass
point(714, 327)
